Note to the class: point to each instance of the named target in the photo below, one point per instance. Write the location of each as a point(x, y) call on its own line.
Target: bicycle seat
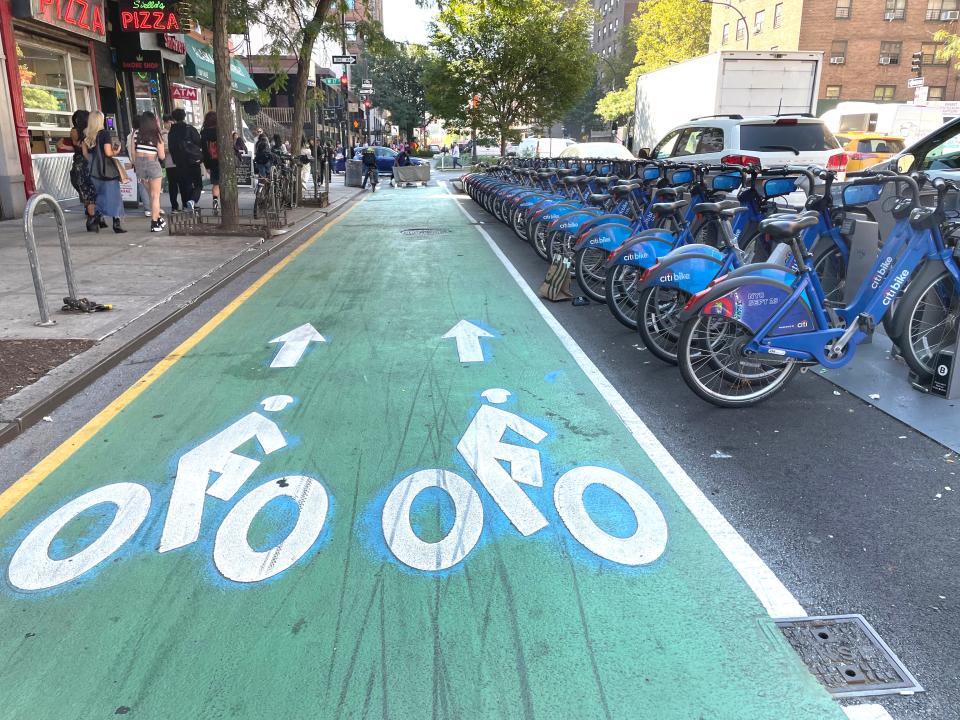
point(584, 179)
point(569, 180)
point(564, 172)
point(664, 195)
point(714, 208)
point(732, 211)
point(783, 229)
point(665, 208)
point(544, 174)
point(621, 190)
point(607, 181)
point(597, 198)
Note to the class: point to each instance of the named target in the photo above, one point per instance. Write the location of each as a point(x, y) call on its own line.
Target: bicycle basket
point(777, 187)
point(858, 195)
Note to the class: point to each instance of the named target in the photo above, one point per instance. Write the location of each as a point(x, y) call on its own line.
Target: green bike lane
point(322, 507)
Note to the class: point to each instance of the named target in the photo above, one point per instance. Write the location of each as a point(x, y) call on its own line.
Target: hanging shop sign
point(174, 44)
point(162, 16)
point(83, 17)
point(143, 61)
point(184, 92)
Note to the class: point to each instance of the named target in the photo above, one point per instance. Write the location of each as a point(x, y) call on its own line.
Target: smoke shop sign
point(162, 16)
point(84, 17)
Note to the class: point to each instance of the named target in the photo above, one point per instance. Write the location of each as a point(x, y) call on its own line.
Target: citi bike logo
point(674, 276)
point(898, 282)
point(881, 273)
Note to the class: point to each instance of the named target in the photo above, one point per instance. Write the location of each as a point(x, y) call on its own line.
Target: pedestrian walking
point(262, 157)
point(142, 198)
point(148, 152)
point(370, 172)
point(455, 154)
point(100, 152)
point(211, 156)
point(239, 147)
point(183, 143)
point(173, 186)
point(80, 169)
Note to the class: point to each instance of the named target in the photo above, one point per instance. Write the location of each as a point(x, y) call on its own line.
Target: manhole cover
point(847, 656)
point(425, 231)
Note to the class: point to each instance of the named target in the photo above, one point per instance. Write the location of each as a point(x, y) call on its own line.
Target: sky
point(403, 21)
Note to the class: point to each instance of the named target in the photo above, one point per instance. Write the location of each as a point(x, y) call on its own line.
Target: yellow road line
point(16, 492)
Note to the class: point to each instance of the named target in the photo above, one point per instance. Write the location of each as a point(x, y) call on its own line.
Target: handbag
point(121, 170)
point(556, 285)
point(100, 169)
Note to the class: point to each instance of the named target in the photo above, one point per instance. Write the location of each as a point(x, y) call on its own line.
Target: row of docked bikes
point(721, 277)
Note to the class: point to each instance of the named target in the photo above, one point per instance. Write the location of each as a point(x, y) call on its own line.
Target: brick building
point(613, 25)
point(867, 44)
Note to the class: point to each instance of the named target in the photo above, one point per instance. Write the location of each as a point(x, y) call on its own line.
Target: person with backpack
point(211, 156)
point(262, 157)
point(184, 141)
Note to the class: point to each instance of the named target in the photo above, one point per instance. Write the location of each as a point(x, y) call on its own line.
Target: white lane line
point(774, 595)
point(866, 712)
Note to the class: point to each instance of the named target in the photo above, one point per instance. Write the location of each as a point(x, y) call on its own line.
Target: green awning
point(200, 66)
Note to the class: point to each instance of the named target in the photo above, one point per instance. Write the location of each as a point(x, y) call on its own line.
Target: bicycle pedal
point(866, 323)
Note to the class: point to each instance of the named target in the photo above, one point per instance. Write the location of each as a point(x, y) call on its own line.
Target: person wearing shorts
point(211, 155)
point(149, 152)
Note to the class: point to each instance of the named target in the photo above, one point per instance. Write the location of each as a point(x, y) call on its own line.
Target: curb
point(76, 383)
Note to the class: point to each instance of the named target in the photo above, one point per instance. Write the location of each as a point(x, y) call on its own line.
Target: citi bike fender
point(753, 301)
point(570, 223)
point(612, 237)
point(553, 212)
point(691, 270)
point(643, 254)
point(604, 219)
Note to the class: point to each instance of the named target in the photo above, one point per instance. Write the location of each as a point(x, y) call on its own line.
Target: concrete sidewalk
point(134, 271)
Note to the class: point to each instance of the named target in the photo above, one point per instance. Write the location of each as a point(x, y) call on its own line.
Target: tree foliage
point(396, 70)
point(527, 61)
point(665, 31)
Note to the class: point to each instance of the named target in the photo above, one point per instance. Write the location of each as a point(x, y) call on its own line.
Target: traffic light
point(366, 104)
point(344, 82)
point(916, 62)
point(356, 124)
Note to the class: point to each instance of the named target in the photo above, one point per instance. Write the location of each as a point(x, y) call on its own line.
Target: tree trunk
point(304, 71)
point(229, 209)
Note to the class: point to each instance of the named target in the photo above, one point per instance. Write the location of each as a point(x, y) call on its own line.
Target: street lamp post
point(746, 30)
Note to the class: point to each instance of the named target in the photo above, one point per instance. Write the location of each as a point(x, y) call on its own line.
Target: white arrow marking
point(294, 345)
point(468, 340)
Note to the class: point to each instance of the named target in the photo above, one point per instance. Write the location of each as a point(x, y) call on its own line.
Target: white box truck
point(767, 82)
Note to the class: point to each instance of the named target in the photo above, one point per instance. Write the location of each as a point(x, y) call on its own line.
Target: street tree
point(396, 70)
point(525, 61)
point(229, 206)
point(665, 32)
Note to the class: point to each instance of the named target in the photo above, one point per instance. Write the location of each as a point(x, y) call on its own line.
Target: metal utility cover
point(420, 232)
point(847, 656)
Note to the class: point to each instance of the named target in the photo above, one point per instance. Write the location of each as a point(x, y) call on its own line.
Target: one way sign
point(344, 59)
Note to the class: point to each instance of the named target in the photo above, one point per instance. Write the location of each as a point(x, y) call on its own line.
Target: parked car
point(867, 149)
point(385, 158)
point(937, 154)
point(598, 150)
point(512, 149)
point(762, 141)
point(543, 147)
point(434, 148)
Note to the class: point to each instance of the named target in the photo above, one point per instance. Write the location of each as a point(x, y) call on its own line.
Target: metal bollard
point(34, 256)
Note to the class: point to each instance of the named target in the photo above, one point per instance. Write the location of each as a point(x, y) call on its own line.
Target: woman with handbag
point(80, 169)
point(104, 169)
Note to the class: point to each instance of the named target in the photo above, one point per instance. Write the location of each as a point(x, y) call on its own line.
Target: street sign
point(915, 82)
point(331, 81)
point(367, 83)
point(920, 95)
point(344, 59)
point(366, 91)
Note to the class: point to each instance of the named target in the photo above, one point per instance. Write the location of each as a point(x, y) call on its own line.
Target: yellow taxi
point(865, 149)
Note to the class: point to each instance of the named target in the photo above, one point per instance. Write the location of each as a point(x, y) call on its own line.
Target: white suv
point(765, 141)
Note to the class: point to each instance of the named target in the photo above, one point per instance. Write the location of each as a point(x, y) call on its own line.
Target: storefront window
point(54, 85)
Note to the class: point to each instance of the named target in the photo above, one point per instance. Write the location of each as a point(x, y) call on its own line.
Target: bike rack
point(34, 256)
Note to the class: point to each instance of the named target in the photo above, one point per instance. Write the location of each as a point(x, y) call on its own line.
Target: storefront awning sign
point(83, 17)
point(143, 61)
point(161, 16)
point(184, 92)
point(200, 66)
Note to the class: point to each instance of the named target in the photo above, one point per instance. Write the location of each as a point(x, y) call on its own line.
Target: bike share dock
point(382, 482)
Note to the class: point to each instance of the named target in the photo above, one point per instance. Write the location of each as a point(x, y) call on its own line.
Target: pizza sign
point(161, 16)
point(84, 17)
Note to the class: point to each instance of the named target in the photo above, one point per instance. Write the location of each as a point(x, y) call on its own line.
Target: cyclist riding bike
point(369, 160)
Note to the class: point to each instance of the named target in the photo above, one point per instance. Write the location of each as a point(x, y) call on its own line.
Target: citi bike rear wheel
point(657, 320)
point(591, 272)
point(712, 363)
point(621, 293)
point(927, 323)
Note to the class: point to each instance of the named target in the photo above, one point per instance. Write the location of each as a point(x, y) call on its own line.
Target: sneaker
point(162, 221)
point(189, 205)
point(147, 213)
point(156, 226)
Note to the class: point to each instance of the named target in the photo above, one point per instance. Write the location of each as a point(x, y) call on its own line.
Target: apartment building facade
point(613, 25)
point(867, 44)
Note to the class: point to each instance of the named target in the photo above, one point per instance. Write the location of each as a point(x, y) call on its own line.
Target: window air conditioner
point(884, 61)
point(838, 60)
point(949, 15)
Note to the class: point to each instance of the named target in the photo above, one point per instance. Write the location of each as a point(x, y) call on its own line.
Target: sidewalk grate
point(847, 656)
point(423, 232)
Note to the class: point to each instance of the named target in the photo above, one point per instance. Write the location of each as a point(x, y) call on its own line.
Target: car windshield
point(945, 156)
point(800, 137)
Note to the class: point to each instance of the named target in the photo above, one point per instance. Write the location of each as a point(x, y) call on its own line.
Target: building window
point(884, 93)
point(933, 54)
point(936, 92)
point(895, 10)
point(741, 30)
point(890, 53)
point(838, 52)
point(778, 15)
point(941, 10)
point(54, 84)
point(725, 36)
point(758, 21)
point(833, 92)
point(843, 8)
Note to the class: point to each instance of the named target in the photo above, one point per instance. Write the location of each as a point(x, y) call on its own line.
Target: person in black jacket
point(369, 159)
point(211, 155)
point(183, 143)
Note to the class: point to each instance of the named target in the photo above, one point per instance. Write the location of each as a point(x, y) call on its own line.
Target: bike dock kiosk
point(34, 256)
